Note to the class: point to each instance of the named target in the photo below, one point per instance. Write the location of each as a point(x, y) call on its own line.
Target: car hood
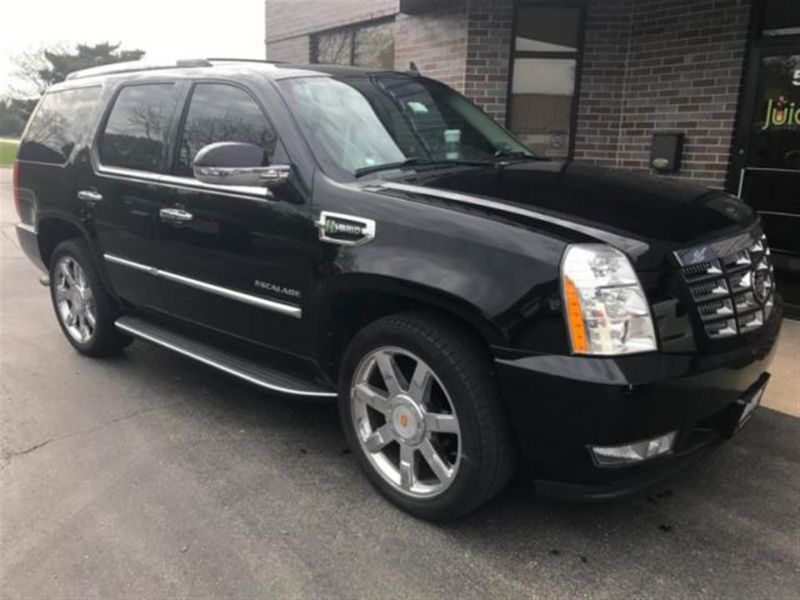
point(643, 215)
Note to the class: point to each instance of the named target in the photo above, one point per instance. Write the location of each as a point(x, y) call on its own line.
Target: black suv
point(373, 236)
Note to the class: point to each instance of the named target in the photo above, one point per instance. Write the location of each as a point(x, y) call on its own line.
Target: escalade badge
point(345, 230)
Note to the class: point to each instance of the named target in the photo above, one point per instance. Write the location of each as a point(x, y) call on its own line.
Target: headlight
point(607, 311)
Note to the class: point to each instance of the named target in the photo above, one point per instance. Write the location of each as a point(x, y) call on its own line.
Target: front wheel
point(421, 410)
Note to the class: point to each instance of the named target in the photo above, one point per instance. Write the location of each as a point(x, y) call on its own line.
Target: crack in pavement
point(6, 456)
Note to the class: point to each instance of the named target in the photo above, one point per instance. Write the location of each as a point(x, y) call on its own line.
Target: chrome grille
point(733, 293)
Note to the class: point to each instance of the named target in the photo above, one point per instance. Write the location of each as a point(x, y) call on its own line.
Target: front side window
point(543, 76)
point(361, 123)
point(222, 113)
point(136, 130)
point(59, 124)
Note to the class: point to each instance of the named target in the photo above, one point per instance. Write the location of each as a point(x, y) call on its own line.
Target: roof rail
point(253, 60)
point(136, 65)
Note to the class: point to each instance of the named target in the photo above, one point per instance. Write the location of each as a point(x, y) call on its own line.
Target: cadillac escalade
point(372, 237)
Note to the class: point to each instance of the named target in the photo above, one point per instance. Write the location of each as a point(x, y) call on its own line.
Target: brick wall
point(295, 49)
point(466, 44)
point(490, 26)
point(436, 41)
point(662, 65)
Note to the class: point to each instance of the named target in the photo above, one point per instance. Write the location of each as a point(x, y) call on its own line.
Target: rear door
point(235, 259)
point(123, 191)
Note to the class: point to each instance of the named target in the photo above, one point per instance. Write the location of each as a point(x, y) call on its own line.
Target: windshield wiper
point(409, 162)
point(428, 164)
point(515, 155)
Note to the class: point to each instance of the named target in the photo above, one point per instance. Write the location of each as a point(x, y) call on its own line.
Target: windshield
point(366, 123)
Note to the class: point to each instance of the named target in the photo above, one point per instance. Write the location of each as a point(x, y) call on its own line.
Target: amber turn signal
point(577, 330)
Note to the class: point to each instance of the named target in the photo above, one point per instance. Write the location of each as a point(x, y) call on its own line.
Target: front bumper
point(561, 405)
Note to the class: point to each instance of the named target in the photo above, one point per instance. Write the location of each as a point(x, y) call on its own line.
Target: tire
point(437, 445)
point(79, 297)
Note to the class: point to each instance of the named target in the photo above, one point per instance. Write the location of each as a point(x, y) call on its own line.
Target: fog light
point(616, 456)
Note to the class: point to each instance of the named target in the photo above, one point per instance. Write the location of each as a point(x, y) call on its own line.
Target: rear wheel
point(85, 310)
point(420, 408)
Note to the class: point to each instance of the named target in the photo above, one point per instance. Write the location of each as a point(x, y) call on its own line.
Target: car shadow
point(736, 509)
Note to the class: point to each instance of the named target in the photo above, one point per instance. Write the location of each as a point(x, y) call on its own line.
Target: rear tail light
point(15, 188)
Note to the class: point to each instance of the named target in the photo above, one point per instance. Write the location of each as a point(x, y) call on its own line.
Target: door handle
point(175, 215)
point(90, 196)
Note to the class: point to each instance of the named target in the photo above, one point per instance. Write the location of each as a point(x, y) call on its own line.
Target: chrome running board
point(249, 370)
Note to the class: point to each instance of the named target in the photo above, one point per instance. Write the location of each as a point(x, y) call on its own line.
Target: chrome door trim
point(212, 363)
point(278, 307)
point(184, 183)
point(131, 264)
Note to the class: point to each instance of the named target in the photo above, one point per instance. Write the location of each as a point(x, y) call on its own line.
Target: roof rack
point(253, 60)
point(140, 65)
point(136, 65)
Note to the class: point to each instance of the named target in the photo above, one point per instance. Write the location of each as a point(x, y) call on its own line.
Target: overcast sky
point(165, 29)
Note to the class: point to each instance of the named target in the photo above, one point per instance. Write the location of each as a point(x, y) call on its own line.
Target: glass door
point(769, 158)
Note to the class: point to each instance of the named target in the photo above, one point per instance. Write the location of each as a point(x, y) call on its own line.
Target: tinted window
point(60, 122)
point(222, 113)
point(137, 127)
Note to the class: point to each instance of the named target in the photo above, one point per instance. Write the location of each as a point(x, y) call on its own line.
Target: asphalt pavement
point(151, 476)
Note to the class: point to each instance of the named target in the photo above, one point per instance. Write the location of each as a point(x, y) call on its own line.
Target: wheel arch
point(52, 229)
point(348, 308)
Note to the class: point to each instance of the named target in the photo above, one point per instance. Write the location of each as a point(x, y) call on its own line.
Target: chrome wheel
point(405, 422)
point(74, 300)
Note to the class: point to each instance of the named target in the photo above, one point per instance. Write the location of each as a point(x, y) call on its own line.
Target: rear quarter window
point(137, 127)
point(61, 121)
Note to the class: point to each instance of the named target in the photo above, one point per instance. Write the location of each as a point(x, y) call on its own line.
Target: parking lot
point(151, 476)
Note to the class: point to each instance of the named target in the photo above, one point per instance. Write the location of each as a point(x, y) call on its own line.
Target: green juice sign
point(781, 113)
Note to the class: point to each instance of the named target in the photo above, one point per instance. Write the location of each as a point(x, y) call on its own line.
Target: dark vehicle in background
point(372, 236)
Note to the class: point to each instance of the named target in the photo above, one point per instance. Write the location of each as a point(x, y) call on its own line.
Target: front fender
point(499, 272)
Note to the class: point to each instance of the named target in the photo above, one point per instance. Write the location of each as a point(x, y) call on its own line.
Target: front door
point(769, 157)
point(234, 259)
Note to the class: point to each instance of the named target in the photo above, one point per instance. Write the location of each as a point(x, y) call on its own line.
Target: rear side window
point(136, 130)
point(60, 122)
point(222, 113)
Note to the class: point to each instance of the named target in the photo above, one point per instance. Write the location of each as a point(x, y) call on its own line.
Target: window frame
point(166, 152)
point(577, 55)
point(351, 29)
point(185, 103)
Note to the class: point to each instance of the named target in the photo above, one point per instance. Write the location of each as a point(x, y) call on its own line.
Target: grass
point(8, 151)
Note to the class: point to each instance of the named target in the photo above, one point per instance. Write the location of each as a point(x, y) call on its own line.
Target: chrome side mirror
point(239, 164)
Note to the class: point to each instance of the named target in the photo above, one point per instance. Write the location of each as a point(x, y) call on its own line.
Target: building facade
point(706, 90)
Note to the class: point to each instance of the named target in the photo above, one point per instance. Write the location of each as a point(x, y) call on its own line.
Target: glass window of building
point(545, 60)
point(781, 17)
point(366, 45)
